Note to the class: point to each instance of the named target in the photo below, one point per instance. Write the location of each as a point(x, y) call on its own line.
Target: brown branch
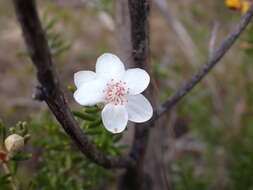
point(204, 70)
point(50, 87)
point(136, 177)
point(139, 13)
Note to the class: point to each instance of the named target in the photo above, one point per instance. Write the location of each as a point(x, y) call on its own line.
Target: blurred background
point(207, 139)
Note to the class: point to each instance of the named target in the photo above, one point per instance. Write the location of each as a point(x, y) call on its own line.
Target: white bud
point(14, 143)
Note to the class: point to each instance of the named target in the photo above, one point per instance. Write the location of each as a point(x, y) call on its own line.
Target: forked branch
point(50, 87)
point(205, 68)
point(54, 97)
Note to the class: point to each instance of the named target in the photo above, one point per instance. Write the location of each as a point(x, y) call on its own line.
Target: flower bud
point(14, 143)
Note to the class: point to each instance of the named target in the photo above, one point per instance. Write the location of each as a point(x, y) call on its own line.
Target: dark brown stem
point(139, 16)
point(135, 177)
point(204, 70)
point(50, 87)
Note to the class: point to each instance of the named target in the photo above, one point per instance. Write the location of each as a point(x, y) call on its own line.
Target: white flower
point(118, 89)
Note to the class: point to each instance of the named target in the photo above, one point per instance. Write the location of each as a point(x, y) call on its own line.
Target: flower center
point(115, 92)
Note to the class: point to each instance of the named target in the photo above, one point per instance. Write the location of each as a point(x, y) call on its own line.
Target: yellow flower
point(233, 4)
point(245, 6)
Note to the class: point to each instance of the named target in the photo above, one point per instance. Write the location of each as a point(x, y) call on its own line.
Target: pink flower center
point(115, 92)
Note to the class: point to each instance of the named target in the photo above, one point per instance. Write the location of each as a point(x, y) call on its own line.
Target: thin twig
point(187, 44)
point(204, 70)
point(49, 84)
point(210, 80)
point(213, 39)
point(185, 41)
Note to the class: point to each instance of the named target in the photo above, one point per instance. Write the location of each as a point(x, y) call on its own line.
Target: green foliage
point(55, 41)
point(62, 165)
point(4, 181)
point(224, 129)
point(240, 149)
point(185, 176)
point(10, 163)
point(58, 162)
point(91, 123)
point(240, 161)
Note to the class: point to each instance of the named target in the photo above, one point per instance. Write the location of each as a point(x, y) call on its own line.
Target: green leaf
point(117, 137)
point(92, 109)
point(53, 36)
point(2, 131)
point(68, 162)
point(84, 116)
point(20, 157)
point(5, 179)
point(14, 167)
point(96, 123)
point(56, 44)
point(51, 23)
point(27, 137)
point(58, 52)
point(72, 89)
point(93, 131)
point(31, 186)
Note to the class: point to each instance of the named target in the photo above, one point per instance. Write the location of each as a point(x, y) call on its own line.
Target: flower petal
point(109, 66)
point(83, 76)
point(90, 93)
point(137, 80)
point(139, 109)
point(114, 118)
